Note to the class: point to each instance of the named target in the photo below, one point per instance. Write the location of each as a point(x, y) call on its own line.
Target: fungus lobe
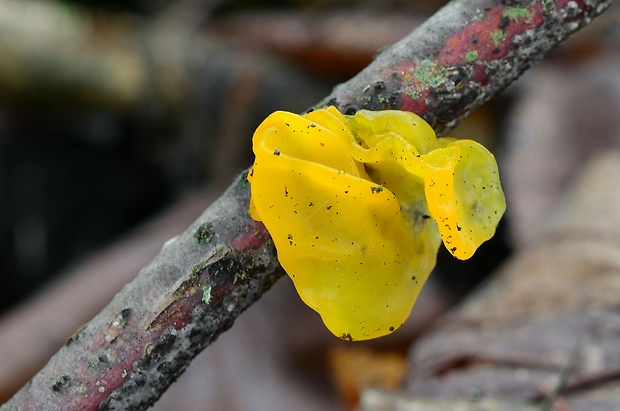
point(347, 201)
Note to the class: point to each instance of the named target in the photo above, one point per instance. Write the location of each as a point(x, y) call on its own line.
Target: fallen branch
point(462, 56)
point(128, 355)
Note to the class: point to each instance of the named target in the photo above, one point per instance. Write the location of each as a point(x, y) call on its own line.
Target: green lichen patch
point(471, 56)
point(241, 275)
point(116, 326)
point(548, 6)
point(204, 234)
point(517, 12)
point(198, 268)
point(120, 321)
point(244, 179)
point(497, 36)
point(206, 294)
point(430, 74)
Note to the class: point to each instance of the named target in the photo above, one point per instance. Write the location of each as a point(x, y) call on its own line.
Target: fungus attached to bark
point(347, 201)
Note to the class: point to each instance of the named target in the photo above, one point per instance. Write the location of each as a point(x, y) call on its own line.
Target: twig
point(583, 382)
point(547, 404)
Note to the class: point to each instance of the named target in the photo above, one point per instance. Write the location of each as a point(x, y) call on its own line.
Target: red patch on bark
point(254, 238)
point(177, 314)
point(489, 38)
point(414, 105)
point(560, 4)
point(486, 39)
point(415, 100)
point(98, 375)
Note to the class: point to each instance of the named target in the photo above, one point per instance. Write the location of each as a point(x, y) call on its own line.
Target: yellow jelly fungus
point(357, 207)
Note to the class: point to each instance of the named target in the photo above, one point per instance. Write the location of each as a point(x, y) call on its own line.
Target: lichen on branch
point(462, 56)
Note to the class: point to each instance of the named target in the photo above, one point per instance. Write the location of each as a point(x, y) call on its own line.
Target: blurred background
point(120, 121)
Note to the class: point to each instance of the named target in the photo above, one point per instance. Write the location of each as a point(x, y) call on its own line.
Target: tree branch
point(190, 293)
point(462, 56)
point(128, 355)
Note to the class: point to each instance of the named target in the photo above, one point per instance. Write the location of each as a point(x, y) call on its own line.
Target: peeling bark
point(127, 356)
point(462, 56)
